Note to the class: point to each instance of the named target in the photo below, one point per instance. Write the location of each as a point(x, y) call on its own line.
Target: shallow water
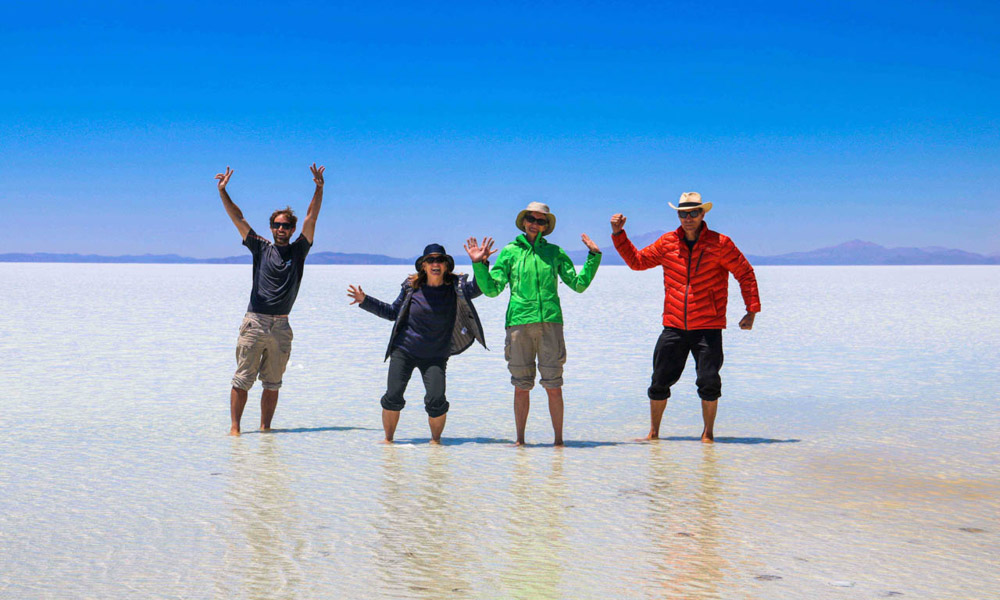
point(856, 457)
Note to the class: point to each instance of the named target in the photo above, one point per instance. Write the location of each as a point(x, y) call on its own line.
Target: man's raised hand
point(317, 174)
point(224, 178)
point(356, 294)
point(589, 243)
point(617, 223)
point(479, 253)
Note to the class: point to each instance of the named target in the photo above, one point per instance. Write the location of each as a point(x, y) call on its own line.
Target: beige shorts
point(526, 343)
point(262, 350)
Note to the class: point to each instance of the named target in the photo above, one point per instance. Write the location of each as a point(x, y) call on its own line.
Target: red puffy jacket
point(695, 281)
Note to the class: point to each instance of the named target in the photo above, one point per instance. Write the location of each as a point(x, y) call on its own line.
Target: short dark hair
point(288, 212)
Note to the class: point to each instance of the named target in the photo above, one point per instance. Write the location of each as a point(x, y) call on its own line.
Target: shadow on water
point(730, 440)
point(458, 441)
point(313, 430)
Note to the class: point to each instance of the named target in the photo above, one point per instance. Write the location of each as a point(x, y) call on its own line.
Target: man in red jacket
point(696, 265)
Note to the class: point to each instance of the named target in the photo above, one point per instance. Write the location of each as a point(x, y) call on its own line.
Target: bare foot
point(558, 443)
point(436, 442)
point(653, 435)
point(707, 437)
point(519, 443)
point(387, 441)
point(235, 431)
point(265, 429)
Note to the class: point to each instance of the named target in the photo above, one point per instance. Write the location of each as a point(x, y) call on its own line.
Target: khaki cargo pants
point(262, 350)
point(526, 343)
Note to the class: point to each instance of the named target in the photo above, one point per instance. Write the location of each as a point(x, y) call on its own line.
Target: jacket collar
point(701, 232)
point(522, 240)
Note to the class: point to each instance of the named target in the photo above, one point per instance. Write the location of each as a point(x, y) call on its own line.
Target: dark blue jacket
point(467, 327)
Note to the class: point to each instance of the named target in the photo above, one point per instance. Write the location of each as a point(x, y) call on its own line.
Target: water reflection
point(536, 529)
point(424, 549)
point(264, 561)
point(685, 531)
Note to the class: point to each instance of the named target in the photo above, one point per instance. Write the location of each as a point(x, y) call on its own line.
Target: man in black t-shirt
point(265, 340)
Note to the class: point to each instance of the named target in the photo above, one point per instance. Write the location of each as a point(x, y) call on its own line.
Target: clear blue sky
point(806, 124)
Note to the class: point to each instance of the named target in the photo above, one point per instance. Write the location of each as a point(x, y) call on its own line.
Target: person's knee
point(395, 403)
point(551, 376)
point(242, 384)
point(436, 406)
point(522, 376)
point(656, 392)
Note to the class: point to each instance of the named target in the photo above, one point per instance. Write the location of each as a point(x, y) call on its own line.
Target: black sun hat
point(431, 249)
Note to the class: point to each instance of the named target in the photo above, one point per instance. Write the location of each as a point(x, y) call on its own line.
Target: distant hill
point(858, 252)
point(855, 252)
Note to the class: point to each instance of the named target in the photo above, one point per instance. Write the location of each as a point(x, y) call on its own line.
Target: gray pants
point(432, 370)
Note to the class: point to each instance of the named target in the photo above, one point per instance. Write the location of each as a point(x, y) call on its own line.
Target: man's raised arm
point(232, 210)
point(309, 224)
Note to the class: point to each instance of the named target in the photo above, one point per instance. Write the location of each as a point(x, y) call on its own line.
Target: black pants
point(432, 370)
point(671, 353)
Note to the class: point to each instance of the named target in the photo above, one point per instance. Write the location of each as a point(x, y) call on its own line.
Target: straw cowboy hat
point(537, 207)
point(691, 201)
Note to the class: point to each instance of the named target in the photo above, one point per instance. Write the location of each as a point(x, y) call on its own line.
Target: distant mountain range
point(855, 252)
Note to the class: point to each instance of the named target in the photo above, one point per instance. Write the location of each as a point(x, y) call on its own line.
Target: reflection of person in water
point(423, 529)
point(434, 319)
point(687, 536)
point(266, 558)
point(536, 530)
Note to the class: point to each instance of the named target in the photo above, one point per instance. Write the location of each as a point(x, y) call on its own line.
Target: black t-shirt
point(277, 272)
point(427, 331)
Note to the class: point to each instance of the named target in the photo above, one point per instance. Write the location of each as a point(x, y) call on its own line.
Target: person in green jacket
point(532, 267)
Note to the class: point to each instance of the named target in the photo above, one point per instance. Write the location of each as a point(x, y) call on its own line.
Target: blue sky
point(807, 124)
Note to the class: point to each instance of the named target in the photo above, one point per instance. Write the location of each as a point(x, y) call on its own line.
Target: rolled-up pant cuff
point(522, 384)
point(242, 385)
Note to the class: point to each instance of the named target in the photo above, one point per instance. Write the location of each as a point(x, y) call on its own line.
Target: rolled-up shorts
point(541, 342)
point(262, 350)
point(670, 354)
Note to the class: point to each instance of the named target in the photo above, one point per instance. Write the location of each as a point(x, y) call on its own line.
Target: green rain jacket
point(532, 272)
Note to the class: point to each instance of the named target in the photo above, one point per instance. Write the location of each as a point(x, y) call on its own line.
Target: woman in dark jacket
point(434, 319)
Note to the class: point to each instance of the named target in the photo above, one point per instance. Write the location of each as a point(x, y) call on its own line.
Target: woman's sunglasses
point(436, 259)
point(531, 219)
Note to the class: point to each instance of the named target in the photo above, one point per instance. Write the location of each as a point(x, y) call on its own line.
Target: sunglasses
point(694, 214)
point(280, 225)
point(436, 259)
point(531, 219)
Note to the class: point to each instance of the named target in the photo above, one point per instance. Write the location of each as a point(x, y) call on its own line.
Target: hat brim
point(519, 221)
point(704, 206)
point(418, 264)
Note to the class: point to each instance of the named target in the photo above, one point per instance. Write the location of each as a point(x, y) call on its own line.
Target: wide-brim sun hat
point(430, 249)
point(536, 207)
point(691, 201)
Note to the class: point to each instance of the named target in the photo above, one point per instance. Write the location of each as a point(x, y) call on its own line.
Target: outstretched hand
point(224, 178)
point(317, 174)
point(589, 243)
point(617, 223)
point(356, 294)
point(479, 253)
